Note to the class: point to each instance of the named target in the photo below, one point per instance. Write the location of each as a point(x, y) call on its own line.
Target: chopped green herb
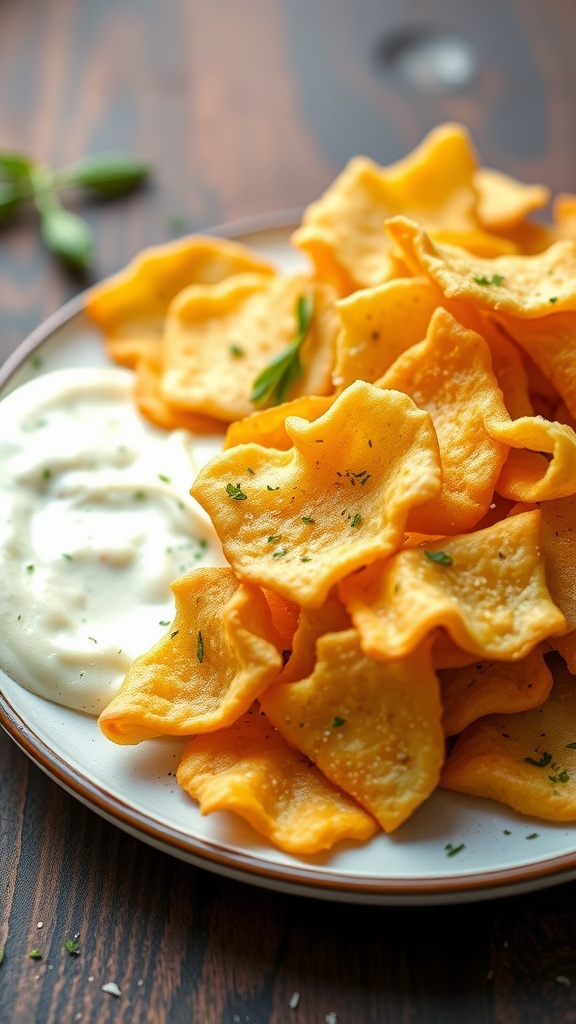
point(554, 298)
point(273, 538)
point(280, 554)
point(337, 722)
point(276, 379)
point(250, 471)
point(571, 746)
point(175, 633)
point(72, 946)
point(94, 641)
point(451, 850)
point(268, 488)
point(67, 557)
point(507, 832)
point(200, 647)
point(495, 279)
point(438, 556)
point(35, 954)
point(30, 567)
point(563, 776)
point(235, 492)
point(2, 955)
point(533, 835)
point(36, 362)
point(164, 622)
point(164, 479)
point(46, 473)
point(308, 519)
point(304, 558)
point(542, 763)
point(139, 495)
point(236, 351)
point(356, 520)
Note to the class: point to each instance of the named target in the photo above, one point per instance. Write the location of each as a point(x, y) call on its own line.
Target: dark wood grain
point(242, 108)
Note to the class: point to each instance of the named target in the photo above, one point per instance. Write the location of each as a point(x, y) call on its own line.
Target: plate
point(499, 852)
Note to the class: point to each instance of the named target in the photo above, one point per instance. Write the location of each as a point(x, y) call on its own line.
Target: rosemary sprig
point(276, 379)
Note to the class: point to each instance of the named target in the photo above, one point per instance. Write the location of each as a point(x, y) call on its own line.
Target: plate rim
point(310, 881)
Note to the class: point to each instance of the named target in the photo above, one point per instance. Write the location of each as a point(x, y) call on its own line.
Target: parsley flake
point(280, 554)
point(570, 746)
point(35, 954)
point(533, 835)
point(356, 520)
point(304, 558)
point(164, 479)
point(236, 351)
point(495, 279)
point(273, 538)
point(308, 519)
point(337, 722)
point(451, 850)
point(554, 298)
point(438, 556)
point(174, 633)
point(235, 492)
point(542, 763)
point(72, 946)
point(277, 378)
point(200, 647)
point(164, 622)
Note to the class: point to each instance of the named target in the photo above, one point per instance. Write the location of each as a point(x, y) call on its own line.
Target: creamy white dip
point(96, 521)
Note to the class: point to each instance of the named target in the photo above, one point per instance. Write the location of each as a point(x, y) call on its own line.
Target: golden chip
point(526, 760)
point(218, 339)
point(450, 376)
point(298, 521)
point(130, 306)
point(250, 770)
point(486, 589)
point(493, 687)
point(517, 285)
point(374, 729)
point(221, 651)
point(378, 324)
point(343, 231)
point(504, 202)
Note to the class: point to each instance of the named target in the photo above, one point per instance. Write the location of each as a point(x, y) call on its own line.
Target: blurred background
point(245, 107)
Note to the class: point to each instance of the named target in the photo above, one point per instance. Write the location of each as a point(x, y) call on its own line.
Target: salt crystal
point(112, 988)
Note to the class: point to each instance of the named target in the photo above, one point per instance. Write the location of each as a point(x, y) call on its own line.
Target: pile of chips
point(395, 497)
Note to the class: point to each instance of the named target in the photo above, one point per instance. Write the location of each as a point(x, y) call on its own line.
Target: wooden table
point(244, 107)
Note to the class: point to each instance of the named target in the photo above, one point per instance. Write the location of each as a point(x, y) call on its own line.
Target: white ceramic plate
point(135, 787)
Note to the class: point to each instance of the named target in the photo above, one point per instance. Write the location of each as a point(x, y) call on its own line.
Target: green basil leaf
point(10, 199)
point(68, 235)
point(15, 166)
point(106, 174)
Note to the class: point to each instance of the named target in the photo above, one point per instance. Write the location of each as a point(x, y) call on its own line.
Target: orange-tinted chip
point(220, 653)
point(130, 307)
point(549, 341)
point(267, 427)
point(250, 770)
point(526, 760)
point(219, 338)
point(450, 375)
point(487, 589)
point(493, 687)
point(373, 729)
point(298, 521)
